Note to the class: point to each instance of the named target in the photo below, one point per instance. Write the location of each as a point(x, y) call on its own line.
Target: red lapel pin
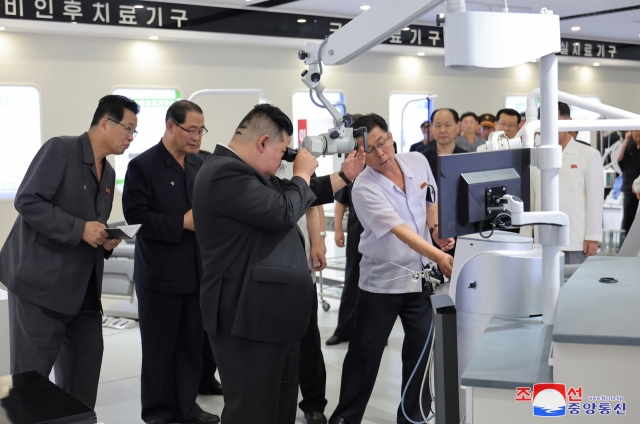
point(574, 166)
point(423, 185)
point(108, 191)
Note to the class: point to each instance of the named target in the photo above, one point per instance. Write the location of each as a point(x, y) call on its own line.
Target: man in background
point(487, 125)
point(581, 194)
point(427, 138)
point(312, 371)
point(508, 120)
point(629, 161)
point(446, 123)
point(53, 259)
point(346, 315)
point(158, 193)
point(469, 140)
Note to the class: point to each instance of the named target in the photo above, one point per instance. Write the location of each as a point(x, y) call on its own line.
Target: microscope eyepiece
point(290, 155)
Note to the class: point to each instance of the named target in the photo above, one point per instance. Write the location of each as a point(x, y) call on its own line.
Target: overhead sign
point(177, 16)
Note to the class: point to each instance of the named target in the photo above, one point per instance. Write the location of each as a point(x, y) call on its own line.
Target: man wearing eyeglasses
point(53, 259)
point(158, 193)
point(508, 120)
point(395, 197)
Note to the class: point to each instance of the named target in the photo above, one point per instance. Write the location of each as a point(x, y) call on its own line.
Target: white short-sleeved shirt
point(380, 206)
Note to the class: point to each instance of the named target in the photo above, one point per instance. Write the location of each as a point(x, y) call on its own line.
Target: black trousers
point(41, 339)
point(260, 380)
point(312, 372)
point(375, 316)
point(630, 207)
point(346, 315)
point(171, 329)
point(208, 364)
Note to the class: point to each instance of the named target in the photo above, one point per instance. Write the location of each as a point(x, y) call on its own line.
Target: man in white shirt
point(395, 198)
point(581, 194)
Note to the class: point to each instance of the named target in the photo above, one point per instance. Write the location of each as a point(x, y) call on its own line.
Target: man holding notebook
point(53, 259)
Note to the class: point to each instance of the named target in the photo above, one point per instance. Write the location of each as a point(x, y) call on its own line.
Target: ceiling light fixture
point(153, 37)
point(301, 21)
point(596, 64)
point(575, 28)
point(421, 53)
point(139, 6)
point(365, 7)
point(2, 28)
point(406, 29)
point(533, 61)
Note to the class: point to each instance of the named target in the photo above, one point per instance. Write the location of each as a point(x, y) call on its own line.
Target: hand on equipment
point(590, 247)
point(445, 263)
point(111, 244)
point(339, 237)
point(94, 233)
point(305, 164)
point(445, 244)
point(354, 163)
point(188, 221)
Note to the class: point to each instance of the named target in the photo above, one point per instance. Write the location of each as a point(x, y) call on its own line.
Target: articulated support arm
point(553, 225)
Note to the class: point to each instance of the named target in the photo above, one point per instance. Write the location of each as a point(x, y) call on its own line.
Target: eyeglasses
point(502, 124)
point(194, 133)
point(130, 130)
point(379, 146)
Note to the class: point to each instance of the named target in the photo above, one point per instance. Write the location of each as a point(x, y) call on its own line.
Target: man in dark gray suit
point(53, 259)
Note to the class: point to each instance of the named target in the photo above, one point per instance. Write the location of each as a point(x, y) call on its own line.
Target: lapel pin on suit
point(108, 191)
point(172, 183)
point(85, 187)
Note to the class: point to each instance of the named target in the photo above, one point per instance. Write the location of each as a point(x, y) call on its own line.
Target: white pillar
point(550, 186)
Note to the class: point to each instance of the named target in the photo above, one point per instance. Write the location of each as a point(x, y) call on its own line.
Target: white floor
point(119, 390)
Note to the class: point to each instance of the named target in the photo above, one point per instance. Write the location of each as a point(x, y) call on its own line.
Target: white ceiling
point(623, 26)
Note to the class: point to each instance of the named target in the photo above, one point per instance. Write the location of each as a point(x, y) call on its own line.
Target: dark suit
point(157, 193)
point(54, 278)
point(346, 314)
point(257, 294)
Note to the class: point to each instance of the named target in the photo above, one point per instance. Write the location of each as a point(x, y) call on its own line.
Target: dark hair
point(563, 110)
point(456, 117)
point(267, 119)
point(371, 121)
point(468, 114)
point(113, 106)
point(177, 112)
point(508, 112)
point(424, 124)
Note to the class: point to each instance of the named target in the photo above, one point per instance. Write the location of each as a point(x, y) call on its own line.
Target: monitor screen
point(467, 181)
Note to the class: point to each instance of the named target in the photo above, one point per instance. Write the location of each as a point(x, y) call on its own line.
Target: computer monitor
point(470, 182)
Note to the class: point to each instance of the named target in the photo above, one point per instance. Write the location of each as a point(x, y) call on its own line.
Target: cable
point(505, 9)
point(323, 106)
point(314, 100)
point(320, 54)
point(404, 392)
point(493, 225)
